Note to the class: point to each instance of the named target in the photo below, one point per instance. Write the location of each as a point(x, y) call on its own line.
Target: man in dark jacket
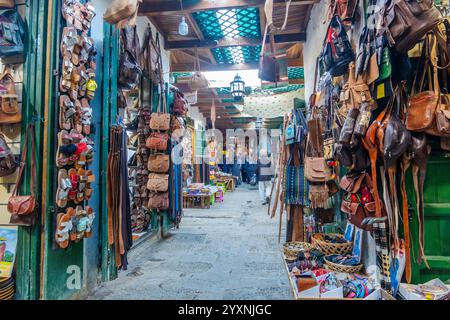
point(265, 175)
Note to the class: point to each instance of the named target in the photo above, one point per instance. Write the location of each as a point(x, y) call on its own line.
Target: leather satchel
point(158, 201)
point(180, 104)
point(159, 163)
point(356, 91)
point(9, 100)
point(130, 70)
point(12, 32)
point(23, 208)
point(158, 182)
point(160, 121)
point(198, 80)
point(316, 169)
point(269, 68)
point(157, 141)
point(407, 21)
point(122, 11)
point(7, 4)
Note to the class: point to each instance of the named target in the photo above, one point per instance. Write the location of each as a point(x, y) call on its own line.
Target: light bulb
point(183, 28)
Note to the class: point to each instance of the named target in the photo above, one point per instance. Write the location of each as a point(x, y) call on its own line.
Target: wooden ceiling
point(167, 14)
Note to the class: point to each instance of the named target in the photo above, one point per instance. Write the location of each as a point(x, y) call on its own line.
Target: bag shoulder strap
point(29, 135)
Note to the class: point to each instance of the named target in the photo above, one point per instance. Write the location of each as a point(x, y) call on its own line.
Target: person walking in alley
point(264, 175)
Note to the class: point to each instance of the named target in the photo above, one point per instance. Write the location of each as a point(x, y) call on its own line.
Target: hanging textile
point(270, 104)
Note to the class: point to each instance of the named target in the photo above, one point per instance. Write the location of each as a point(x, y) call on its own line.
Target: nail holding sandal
point(75, 146)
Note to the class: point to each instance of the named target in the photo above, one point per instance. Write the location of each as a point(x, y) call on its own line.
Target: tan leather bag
point(6, 3)
point(159, 163)
point(157, 141)
point(315, 169)
point(158, 182)
point(160, 121)
point(354, 93)
point(198, 80)
point(429, 111)
point(122, 11)
point(9, 100)
point(158, 201)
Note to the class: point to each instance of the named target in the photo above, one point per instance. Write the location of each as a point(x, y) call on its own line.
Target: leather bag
point(269, 68)
point(122, 11)
point(160, 121)
point(9, 100)
point(12, 32)
point(157, 141)
point(129, 68)
point(159, 163)
point(198, 80)
point(7, 4)
point(337, 52)
point(158, 182)
point(407, 21)
point(158, 201)
point(356, 91)
point(180, 104)
point(8, 163)
point(23, 208)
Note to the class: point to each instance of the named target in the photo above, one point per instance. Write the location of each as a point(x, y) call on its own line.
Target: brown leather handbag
point(355, 92)
point(7, 3)
point(8, 163)
point(9, 100)
point(158, 182)
point(429, 111)
point(158, 201)
point(198, 80)
point(23, 208)
point(180, 104)
point(157, 141)
point(121, 11)
point(407, 21)
point(269, 68)
point(160, 121)
point(159, 163)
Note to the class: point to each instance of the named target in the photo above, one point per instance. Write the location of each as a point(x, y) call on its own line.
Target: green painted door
point(437, 221)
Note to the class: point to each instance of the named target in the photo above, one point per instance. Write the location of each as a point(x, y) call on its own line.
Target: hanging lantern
point(237, 87)
point(183, 28)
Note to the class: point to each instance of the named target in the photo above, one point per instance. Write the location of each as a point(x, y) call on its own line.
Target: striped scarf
point(295, 186)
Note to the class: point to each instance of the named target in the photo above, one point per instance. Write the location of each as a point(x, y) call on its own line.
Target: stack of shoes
point(7, 288)
point(75, 146)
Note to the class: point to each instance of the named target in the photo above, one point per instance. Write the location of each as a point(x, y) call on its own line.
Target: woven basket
point(291, 249)
point(342, 268)
point(328, 248)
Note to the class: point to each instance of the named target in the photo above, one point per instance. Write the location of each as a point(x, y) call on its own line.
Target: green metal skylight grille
point(236, 54)
point(296, 73)
point(232, 23)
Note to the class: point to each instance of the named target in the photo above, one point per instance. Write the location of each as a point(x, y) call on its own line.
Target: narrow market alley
point(228, 252)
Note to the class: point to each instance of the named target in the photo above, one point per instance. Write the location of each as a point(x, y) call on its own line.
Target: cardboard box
point(419, 292)
point(379, 294)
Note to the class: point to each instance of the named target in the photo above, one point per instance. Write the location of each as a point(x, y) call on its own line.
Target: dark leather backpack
point(12, 31)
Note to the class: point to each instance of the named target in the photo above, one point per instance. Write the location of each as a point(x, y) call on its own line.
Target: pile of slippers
point(7, 288)
point(75, 146)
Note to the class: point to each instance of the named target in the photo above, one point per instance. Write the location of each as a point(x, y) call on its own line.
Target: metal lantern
point(237, 87)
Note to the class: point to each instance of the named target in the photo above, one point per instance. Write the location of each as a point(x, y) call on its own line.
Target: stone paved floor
point(227, 252)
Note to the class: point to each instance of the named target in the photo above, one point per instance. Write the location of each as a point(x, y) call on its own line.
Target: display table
point(202, 201)
point(228, 182)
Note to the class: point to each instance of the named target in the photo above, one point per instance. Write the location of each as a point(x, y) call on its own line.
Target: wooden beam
point(189, 67)
point(152, 8)
point(239, 41)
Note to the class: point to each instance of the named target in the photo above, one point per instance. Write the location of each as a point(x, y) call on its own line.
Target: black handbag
point(337, 52)
point(12, 31)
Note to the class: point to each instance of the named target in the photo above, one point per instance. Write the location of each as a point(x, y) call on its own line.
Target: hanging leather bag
point(158, 201)
point(12, 31)
point(160, 121)
point(407, 21)
point(198, 80)
point(158, 182)
point(159, 163)
point(356, 91)
point(129, 65)
point(150, 56)
point(9, 100)
point(8, 163)
point(269, 68)
point(337, 52)
point(157, 141)
point(7, 4)
point(345, 9)
point(122, 11)
point(23, 208)
point(180, 104)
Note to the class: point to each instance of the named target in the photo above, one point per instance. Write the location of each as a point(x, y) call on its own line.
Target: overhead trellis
point(236, 54)
point(296, 73)
point(232, 23)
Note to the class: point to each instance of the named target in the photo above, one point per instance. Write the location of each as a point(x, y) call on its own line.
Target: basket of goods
point(292, 249)
point(343, 263)
point(306, 261)
point(331, 243)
